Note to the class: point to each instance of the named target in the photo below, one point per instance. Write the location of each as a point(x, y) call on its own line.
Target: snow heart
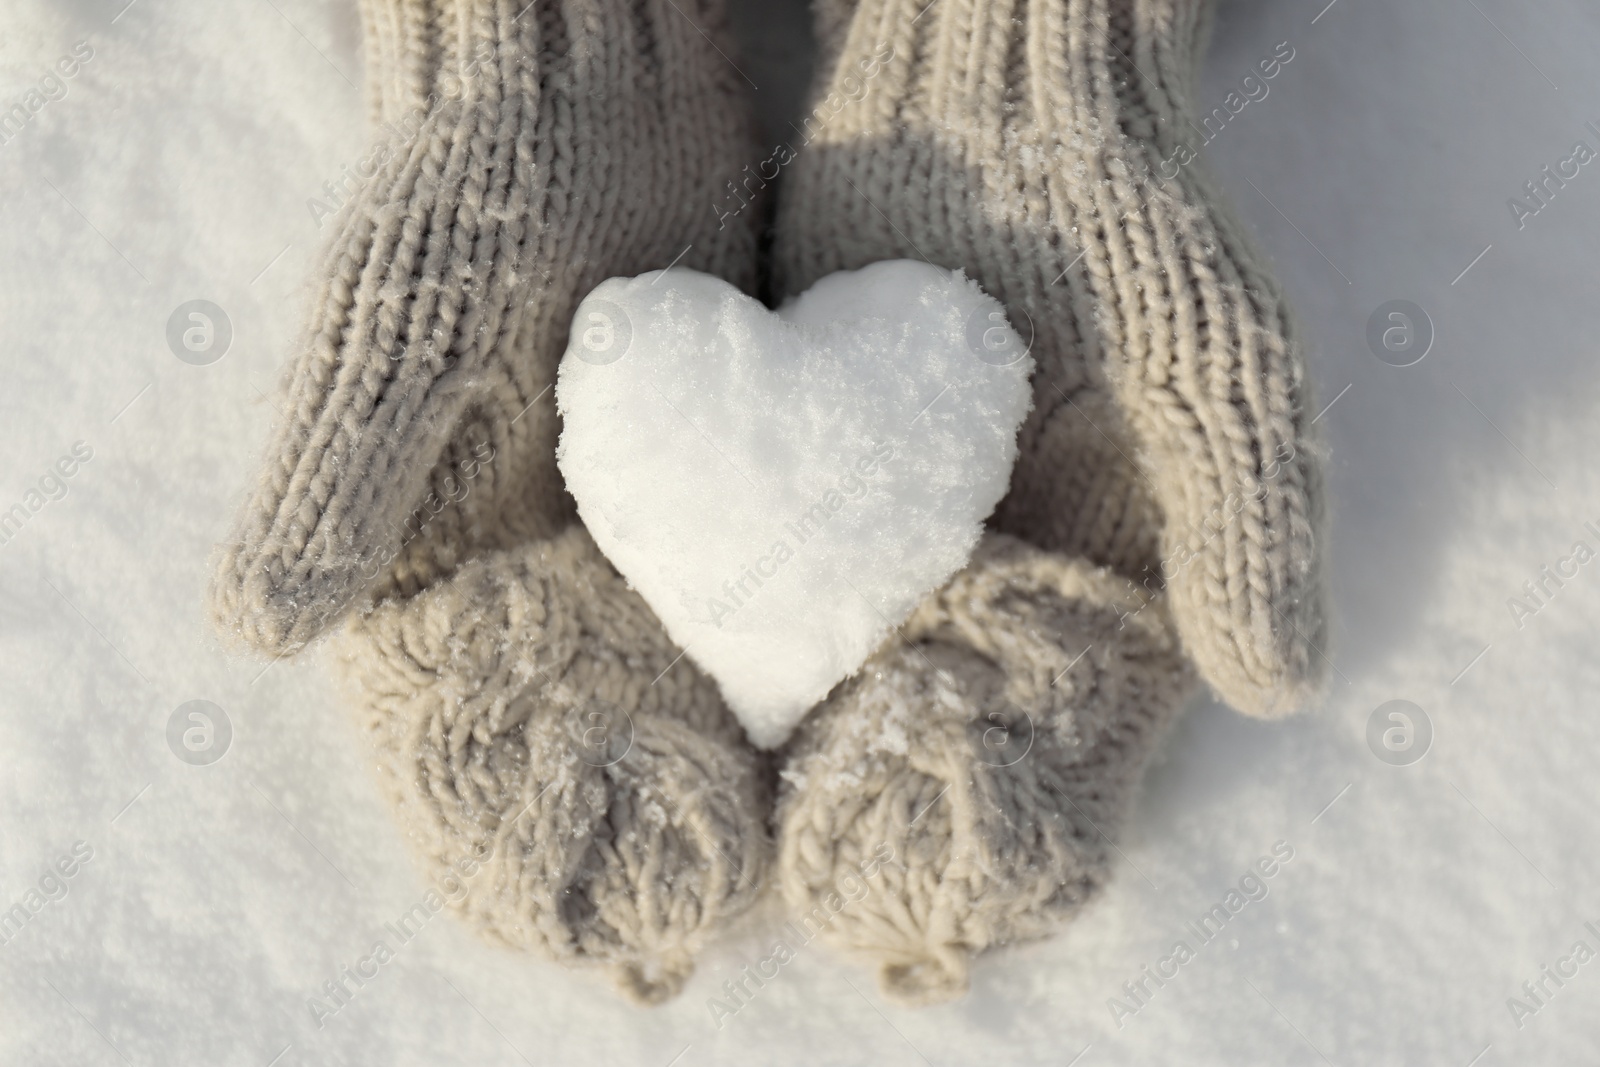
point(784, 487)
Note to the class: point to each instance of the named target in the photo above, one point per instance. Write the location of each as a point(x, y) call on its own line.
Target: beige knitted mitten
point(1166, 504)
point(571, 782)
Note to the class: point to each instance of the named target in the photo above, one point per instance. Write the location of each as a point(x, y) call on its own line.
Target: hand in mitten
point(1165, 511)
point(544, 742)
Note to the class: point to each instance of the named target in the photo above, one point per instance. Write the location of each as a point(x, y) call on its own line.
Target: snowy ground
point(216, 899)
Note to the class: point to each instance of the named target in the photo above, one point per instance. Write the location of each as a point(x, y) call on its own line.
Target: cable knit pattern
point(543, 741)
point(1024, 142)
point(993, 751)
point(557, 145)
point(545, 744)
point(1166, 506)
point(527, 725)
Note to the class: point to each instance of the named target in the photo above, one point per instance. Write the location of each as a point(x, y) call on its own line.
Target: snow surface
point(218, 898)
point(784, 487)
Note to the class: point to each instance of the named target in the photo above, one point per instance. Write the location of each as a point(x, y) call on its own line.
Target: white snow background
point(219, 898)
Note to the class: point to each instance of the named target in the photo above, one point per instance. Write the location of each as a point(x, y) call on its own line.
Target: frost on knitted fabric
point(784, 487)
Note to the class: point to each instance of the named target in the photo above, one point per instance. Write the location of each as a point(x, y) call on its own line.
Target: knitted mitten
point(1166, 503)
point(554, 760)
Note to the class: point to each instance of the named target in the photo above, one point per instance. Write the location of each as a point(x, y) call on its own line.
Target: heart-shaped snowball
point(784, 487)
